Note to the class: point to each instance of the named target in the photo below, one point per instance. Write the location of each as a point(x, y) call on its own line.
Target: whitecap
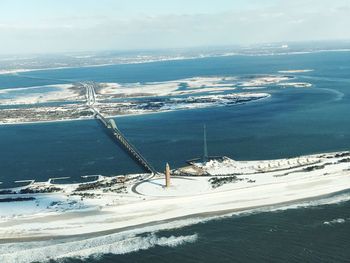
point(93, 247)
point(335, 221)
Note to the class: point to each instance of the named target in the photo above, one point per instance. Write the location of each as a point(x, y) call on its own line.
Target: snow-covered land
point(113, 203)
point(168, 88)
point(69, 101)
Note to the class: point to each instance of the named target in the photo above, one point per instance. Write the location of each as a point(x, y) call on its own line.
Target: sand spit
point(112, 203)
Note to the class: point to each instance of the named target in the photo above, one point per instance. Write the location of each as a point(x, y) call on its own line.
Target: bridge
point(111, 125)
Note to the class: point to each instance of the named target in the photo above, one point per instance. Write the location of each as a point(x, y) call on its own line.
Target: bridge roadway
point(110, 124)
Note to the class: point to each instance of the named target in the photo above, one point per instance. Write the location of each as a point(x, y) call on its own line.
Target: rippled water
point(292, 122)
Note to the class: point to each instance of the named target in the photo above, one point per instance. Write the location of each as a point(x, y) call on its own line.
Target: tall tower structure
point(167, 175)
point(205, 146)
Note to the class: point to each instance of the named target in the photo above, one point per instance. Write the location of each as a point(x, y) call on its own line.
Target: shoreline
point(229, 54)
point(156, 205)
point(204, 216)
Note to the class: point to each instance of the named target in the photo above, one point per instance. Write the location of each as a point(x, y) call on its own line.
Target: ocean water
point(312, 234)
point(294, 121)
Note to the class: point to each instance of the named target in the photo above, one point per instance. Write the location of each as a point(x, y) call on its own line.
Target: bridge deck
point(110, 124)
point(131, 149)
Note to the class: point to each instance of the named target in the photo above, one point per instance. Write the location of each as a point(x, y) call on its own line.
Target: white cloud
point(298, 20)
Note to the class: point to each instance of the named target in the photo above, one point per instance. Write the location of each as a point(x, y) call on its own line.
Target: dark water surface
point(296, 235)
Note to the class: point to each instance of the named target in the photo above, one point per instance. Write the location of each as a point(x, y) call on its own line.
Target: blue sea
point(294, 121)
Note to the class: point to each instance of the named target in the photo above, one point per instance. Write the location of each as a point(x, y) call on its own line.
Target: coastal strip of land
point(117, 203)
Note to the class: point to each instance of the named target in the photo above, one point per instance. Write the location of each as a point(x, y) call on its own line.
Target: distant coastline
point(175, 58)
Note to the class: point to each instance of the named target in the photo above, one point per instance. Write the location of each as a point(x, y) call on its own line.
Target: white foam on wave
point(92, 247)
point(336, 221)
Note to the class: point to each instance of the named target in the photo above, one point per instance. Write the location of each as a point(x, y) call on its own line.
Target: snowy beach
point(112, 203)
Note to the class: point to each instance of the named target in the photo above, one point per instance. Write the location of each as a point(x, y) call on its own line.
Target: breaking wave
point(92, 247)
point(336, 221)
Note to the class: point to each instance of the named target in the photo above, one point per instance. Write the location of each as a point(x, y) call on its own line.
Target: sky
point(48, 26)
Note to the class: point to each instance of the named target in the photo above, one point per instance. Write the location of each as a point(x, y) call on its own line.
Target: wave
point(335, 221)
point(93, 247)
